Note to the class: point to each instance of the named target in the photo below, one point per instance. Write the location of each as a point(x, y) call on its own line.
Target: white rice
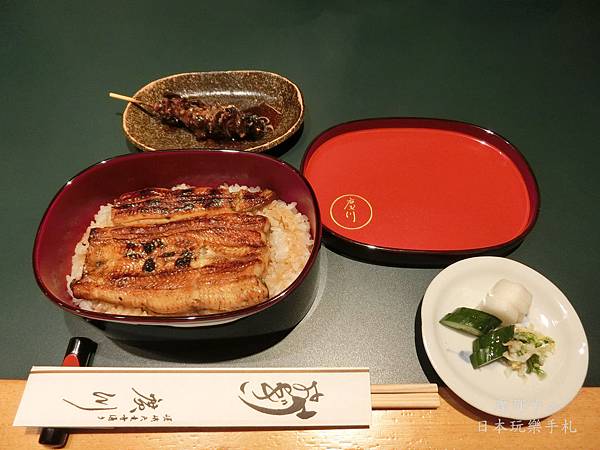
point(289, 241)
point(289, 244)
point(103, 218)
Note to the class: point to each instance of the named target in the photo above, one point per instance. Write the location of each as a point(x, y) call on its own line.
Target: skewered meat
point(210, 121)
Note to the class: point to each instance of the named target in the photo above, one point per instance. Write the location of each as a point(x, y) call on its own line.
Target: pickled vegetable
point(491, 347)
point(472, 321)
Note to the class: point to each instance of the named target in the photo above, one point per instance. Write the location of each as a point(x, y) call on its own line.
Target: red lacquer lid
point(420, 190)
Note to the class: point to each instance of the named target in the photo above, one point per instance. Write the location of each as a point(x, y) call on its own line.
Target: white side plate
point(489, 388)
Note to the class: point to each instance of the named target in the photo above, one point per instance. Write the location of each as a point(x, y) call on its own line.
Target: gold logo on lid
point(351, 211)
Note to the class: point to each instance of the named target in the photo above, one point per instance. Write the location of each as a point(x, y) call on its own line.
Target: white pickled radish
point(511, 300)
point(514, 293)
point(504, 311)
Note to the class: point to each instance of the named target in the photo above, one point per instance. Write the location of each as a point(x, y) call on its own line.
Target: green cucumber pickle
point(490, 347)
point(470, 320)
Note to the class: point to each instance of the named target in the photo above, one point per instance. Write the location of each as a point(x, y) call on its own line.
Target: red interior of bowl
point(421, 185)
point(74, 206)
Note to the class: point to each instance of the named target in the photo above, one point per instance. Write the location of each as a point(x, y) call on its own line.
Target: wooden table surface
point(453, 425)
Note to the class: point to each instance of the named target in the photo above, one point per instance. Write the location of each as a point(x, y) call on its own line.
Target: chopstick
point(404, 396)
point(403, 388)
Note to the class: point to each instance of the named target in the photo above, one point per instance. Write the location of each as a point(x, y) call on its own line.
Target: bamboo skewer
point(274, 109)
point(128, 99)
point(148, 105)
point(404, 396)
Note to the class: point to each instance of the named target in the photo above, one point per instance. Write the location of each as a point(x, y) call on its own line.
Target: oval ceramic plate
point(489, 388)
point(264, 93)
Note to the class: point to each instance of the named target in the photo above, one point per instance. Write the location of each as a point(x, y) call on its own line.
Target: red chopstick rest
point(79, 354)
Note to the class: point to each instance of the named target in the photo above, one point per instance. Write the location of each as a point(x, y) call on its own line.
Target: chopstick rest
point(78, 354)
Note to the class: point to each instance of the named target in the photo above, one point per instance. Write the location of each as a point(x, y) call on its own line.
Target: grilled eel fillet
point(190, 266)
point(151, 249)
point(159, 205)
point(217, 287)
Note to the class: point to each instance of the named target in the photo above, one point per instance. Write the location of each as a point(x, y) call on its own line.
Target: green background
point(528, 70)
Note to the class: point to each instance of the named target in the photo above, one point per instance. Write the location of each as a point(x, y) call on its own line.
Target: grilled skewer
point(205, 121)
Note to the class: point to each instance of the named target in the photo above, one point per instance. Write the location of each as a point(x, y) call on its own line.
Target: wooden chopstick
point(405, 401)
point(404, 396)
point(403, 388)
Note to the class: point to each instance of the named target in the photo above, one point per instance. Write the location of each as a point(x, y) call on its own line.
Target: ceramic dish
point(246, 89)
point(74, 206)
point(489, 388)
point(420, 191)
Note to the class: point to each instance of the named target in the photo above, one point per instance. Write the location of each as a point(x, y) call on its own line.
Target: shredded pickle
point(527, 351)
